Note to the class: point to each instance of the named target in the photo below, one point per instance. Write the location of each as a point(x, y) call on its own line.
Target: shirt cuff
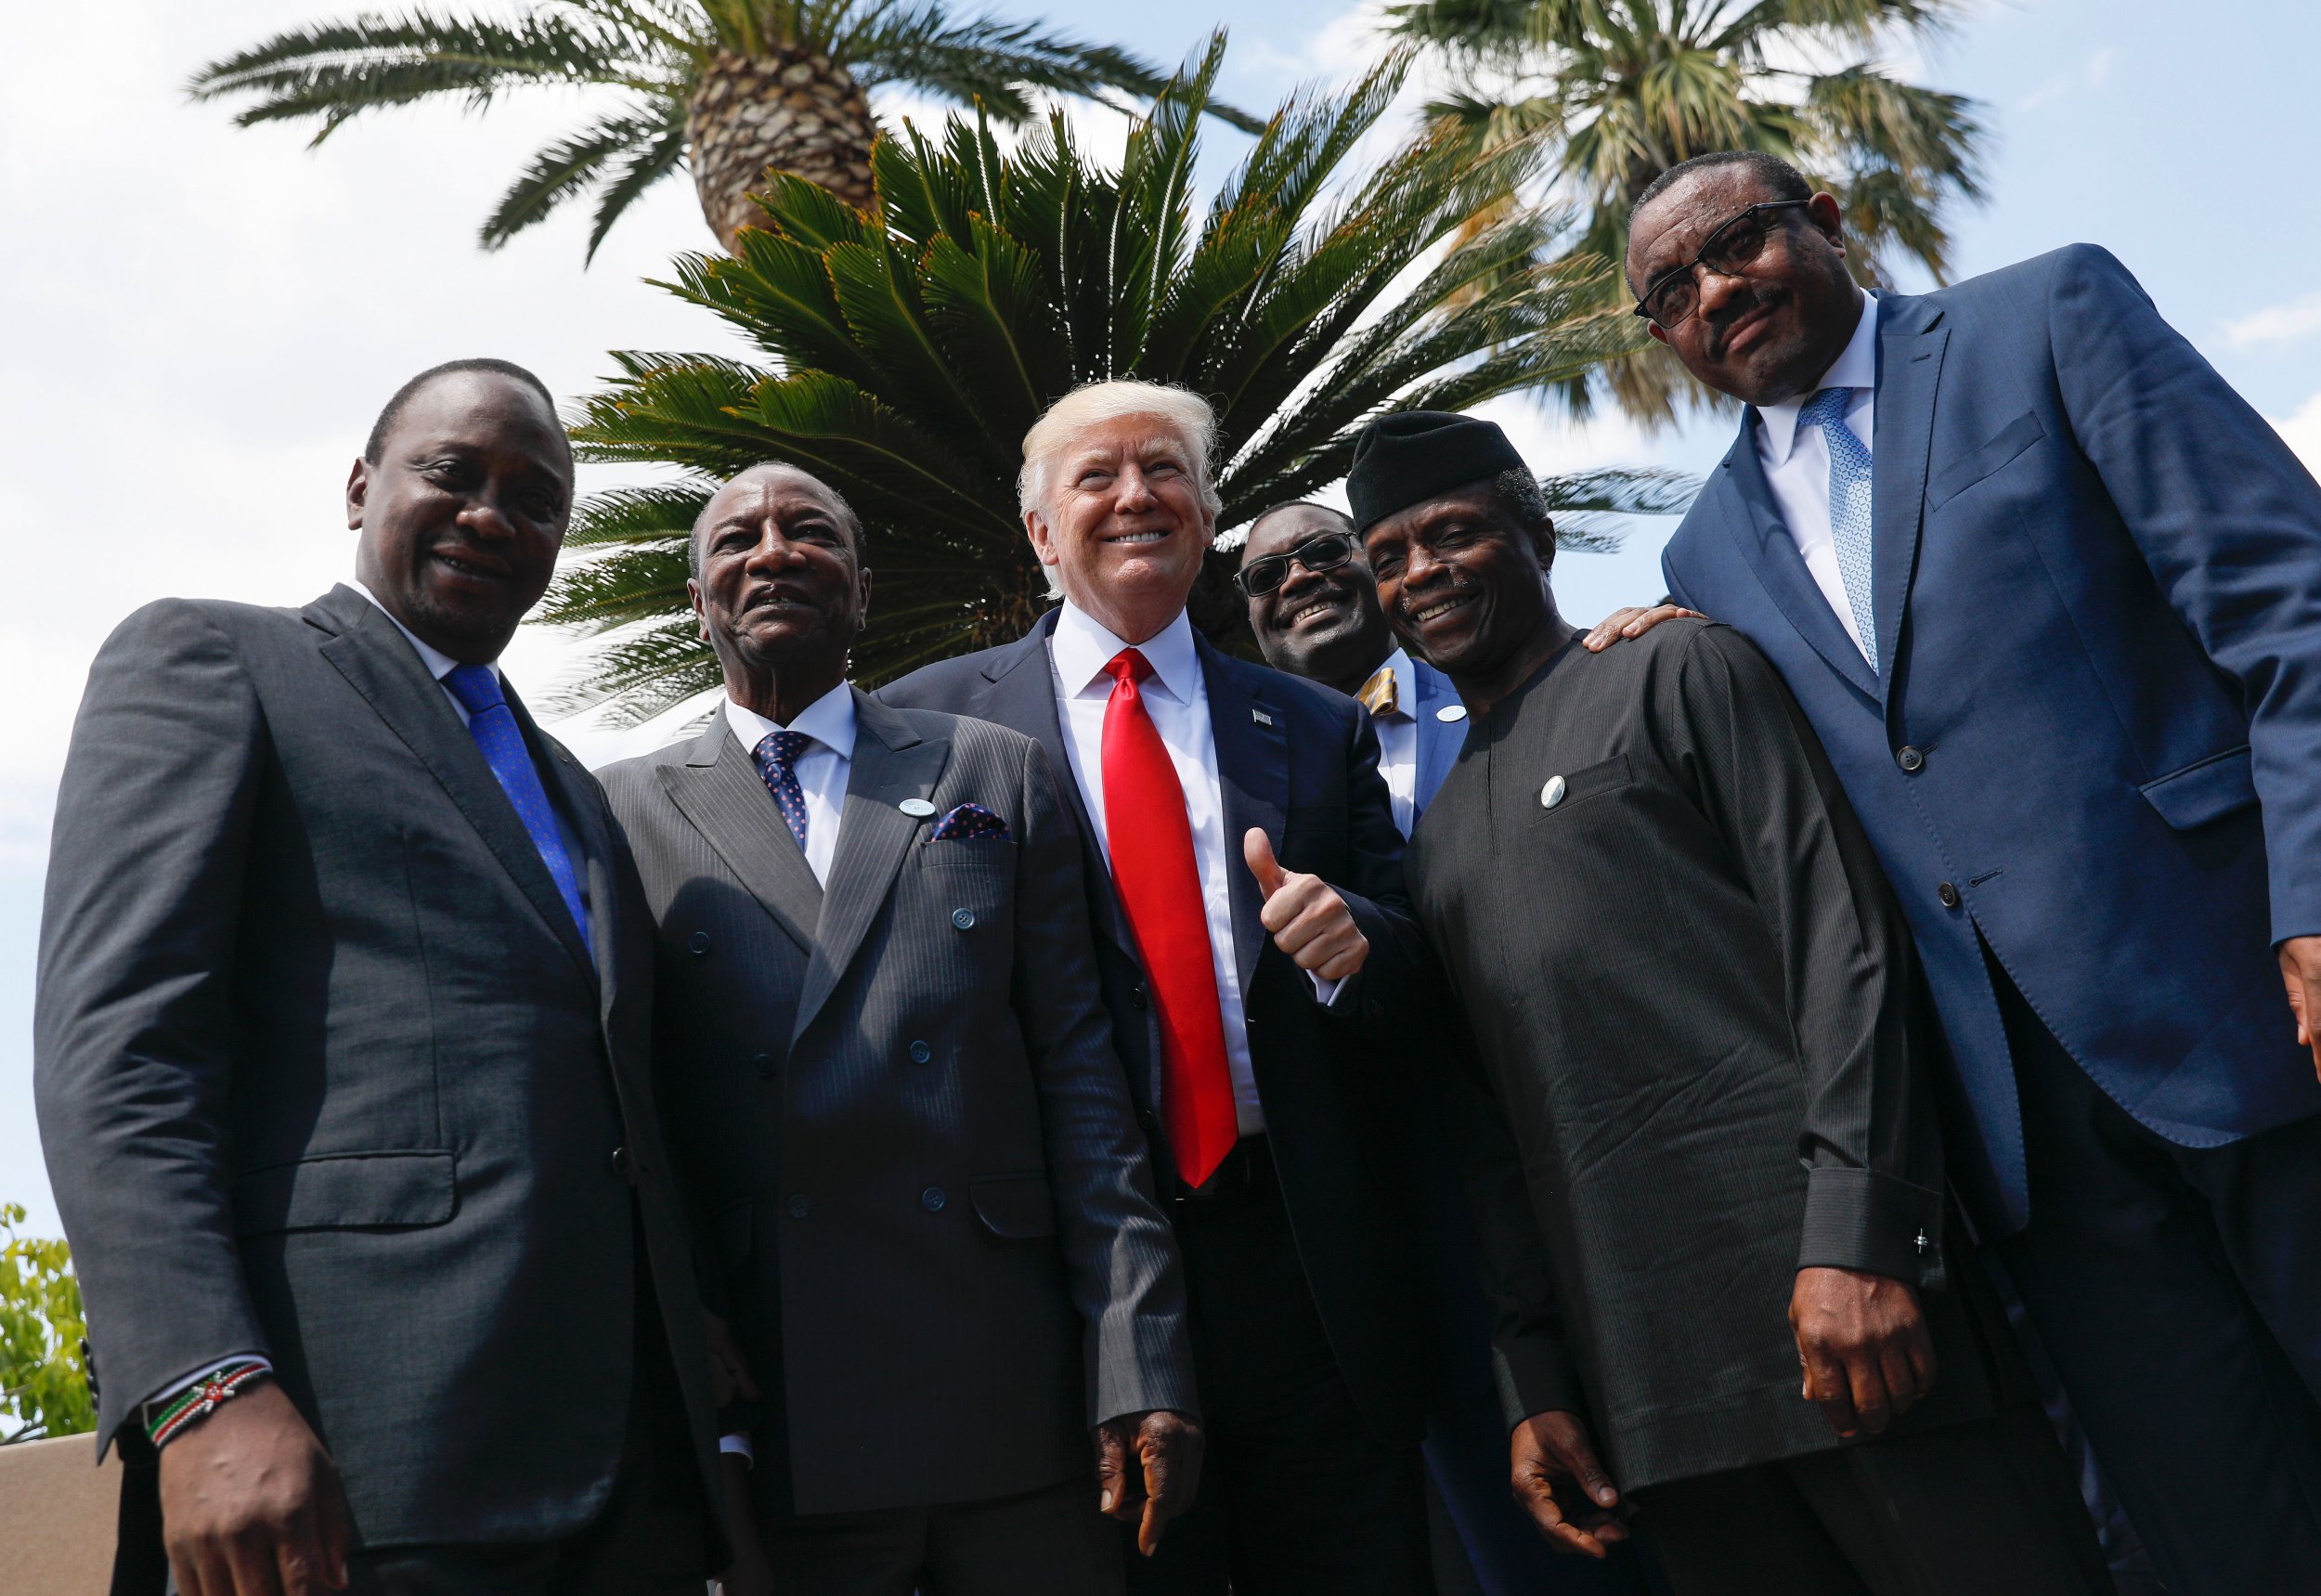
point(162, 1398)
point(1873, 1223)
point(738, 1446)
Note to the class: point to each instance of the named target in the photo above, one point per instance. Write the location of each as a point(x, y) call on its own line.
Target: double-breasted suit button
point(799, 1207)
point(962, 918)
point(932, 1200)
point(1137, 995)
point(700, 943)
point(623, 1165)
point(1911, 759)
point(1947, 895)
point(764, 1061)
point(921, 1053)
point(1150, 1121)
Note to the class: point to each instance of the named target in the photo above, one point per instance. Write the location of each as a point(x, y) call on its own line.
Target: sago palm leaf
point(911, 346)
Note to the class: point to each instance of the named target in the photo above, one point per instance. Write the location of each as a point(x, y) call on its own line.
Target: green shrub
point(44, 1385)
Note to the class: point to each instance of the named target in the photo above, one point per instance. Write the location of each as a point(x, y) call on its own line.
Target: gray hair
point(1518, 493)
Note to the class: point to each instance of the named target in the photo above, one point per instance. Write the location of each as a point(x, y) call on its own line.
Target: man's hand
point(752, 1573)
point(1308, 919)
point(1553, 1471)
point(1863, 1346)
point(1164, 1478)
point(2301, 972)
point(1632, 621)
point(729, 1370)
point(250, 1503)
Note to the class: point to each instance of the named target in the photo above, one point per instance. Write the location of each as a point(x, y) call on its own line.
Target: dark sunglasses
point(1324, 551)
point(1675, 294)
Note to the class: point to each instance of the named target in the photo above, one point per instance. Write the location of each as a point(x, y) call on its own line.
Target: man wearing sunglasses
point(1313, 604)
point(2050, 593)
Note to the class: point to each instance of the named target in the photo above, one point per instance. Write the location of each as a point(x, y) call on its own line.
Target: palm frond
point(564, 169)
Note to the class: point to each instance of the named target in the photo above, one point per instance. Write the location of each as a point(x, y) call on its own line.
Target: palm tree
point(732, 88)
point(1626, 89)
point(912, 346)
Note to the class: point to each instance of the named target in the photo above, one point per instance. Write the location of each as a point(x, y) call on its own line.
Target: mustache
point(1728, 315)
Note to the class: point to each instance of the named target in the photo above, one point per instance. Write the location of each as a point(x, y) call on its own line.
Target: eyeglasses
point(1675, 294)
point(1324, 551)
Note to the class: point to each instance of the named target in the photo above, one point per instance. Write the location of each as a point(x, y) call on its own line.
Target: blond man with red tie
point(1245, 884)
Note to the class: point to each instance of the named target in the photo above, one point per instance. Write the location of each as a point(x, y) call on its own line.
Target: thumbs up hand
point(1308, 920)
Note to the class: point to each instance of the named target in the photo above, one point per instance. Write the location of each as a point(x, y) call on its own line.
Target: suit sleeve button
point(798, 1205)
point(1947, 895)
point(622, 1162)
point(700, 943)
point(932, 1200)
point(1911, 759)
point(962, 918)
point(921, 1053)
point(764, 1061)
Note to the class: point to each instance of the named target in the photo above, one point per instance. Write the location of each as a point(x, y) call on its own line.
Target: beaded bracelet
point(202, 1397)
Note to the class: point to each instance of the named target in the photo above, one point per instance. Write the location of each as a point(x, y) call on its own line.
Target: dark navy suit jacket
point(2093, 739)
point(1439, 740)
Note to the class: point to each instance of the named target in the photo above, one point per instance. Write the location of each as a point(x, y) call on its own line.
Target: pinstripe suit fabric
point(910, 1146)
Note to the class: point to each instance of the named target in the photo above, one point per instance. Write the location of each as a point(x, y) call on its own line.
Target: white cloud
point(2287, 322)
point(2090, 76)
point(2303, 432)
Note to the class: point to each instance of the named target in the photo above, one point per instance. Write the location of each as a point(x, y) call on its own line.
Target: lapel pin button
point(1451, 712)
point(1553, 794)
point(916, 807)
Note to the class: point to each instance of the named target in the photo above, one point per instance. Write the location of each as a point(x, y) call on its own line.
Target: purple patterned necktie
point(493, 725)
point(777, 753)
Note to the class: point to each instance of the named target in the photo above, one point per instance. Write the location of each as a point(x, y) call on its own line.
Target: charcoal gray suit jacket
point(325, 1071)
point(924, 1194)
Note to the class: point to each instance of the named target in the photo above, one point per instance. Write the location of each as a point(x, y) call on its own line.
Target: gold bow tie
point(1378, 694)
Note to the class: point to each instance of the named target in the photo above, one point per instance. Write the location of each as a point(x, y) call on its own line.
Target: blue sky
point(202, 321)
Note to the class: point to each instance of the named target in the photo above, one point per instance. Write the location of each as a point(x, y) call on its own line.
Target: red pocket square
point(969, 819)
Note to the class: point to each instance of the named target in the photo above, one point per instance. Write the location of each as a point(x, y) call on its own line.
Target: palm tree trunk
point(793, 111)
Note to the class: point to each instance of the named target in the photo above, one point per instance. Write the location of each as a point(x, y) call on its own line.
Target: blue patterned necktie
point(1848, 507)
point(493, 725)
point(777, 753)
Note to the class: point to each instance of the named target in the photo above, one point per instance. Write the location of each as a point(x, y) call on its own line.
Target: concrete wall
point(56, 1515)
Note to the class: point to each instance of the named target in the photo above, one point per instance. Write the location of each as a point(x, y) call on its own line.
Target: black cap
point(1405, 458)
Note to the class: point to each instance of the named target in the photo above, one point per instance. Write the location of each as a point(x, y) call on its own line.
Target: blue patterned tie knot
point(493, 725)
point(1848, 507)
point(777, 753)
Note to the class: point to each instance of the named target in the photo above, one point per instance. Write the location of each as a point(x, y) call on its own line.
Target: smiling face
point(1325, 625)
point(1124, 524)
point(463, 512)
point(1462, 583)
point(780, 590)
point(1766, 333)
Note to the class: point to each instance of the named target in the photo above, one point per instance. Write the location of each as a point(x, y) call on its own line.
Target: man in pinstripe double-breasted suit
point(921, 1187)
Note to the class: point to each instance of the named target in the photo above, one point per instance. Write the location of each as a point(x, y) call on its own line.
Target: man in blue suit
point(1313, 605)
point(2050, 593)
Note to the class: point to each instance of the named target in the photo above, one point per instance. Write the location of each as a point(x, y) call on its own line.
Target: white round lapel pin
point(1451, 712)
point(1553, 794)
point(917, 808)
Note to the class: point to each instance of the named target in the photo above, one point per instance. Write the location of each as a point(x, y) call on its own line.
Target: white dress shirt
point(1399, 742)
point(1176, 697)
point(1796, 461)
point(822, 770)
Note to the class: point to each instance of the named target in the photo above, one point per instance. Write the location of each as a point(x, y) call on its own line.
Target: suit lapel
point(1910, 369)
point(1254, 782)
point(379, 663)
point(1020, 695)
point(1754, 519)
point(719, 789)
point(890, 764)
point(1439, 740)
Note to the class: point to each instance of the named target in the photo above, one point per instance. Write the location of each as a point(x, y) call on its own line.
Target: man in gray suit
point(340, 1051)
point(892, 1081)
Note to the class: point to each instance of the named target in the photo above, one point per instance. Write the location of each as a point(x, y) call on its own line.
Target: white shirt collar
point(1082, 647)
point(1856, 368)
point(829, 720)
point(439, 664)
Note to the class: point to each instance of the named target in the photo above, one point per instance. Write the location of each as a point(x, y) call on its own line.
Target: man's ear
point(357, 492)
point(862, 599)
point(693, 597)
point(1829, 219)
point(1035, 528)
point(1660, 333)
point(1543, 541)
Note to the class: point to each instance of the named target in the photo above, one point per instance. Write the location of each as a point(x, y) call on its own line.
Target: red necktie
point(1159, 886)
